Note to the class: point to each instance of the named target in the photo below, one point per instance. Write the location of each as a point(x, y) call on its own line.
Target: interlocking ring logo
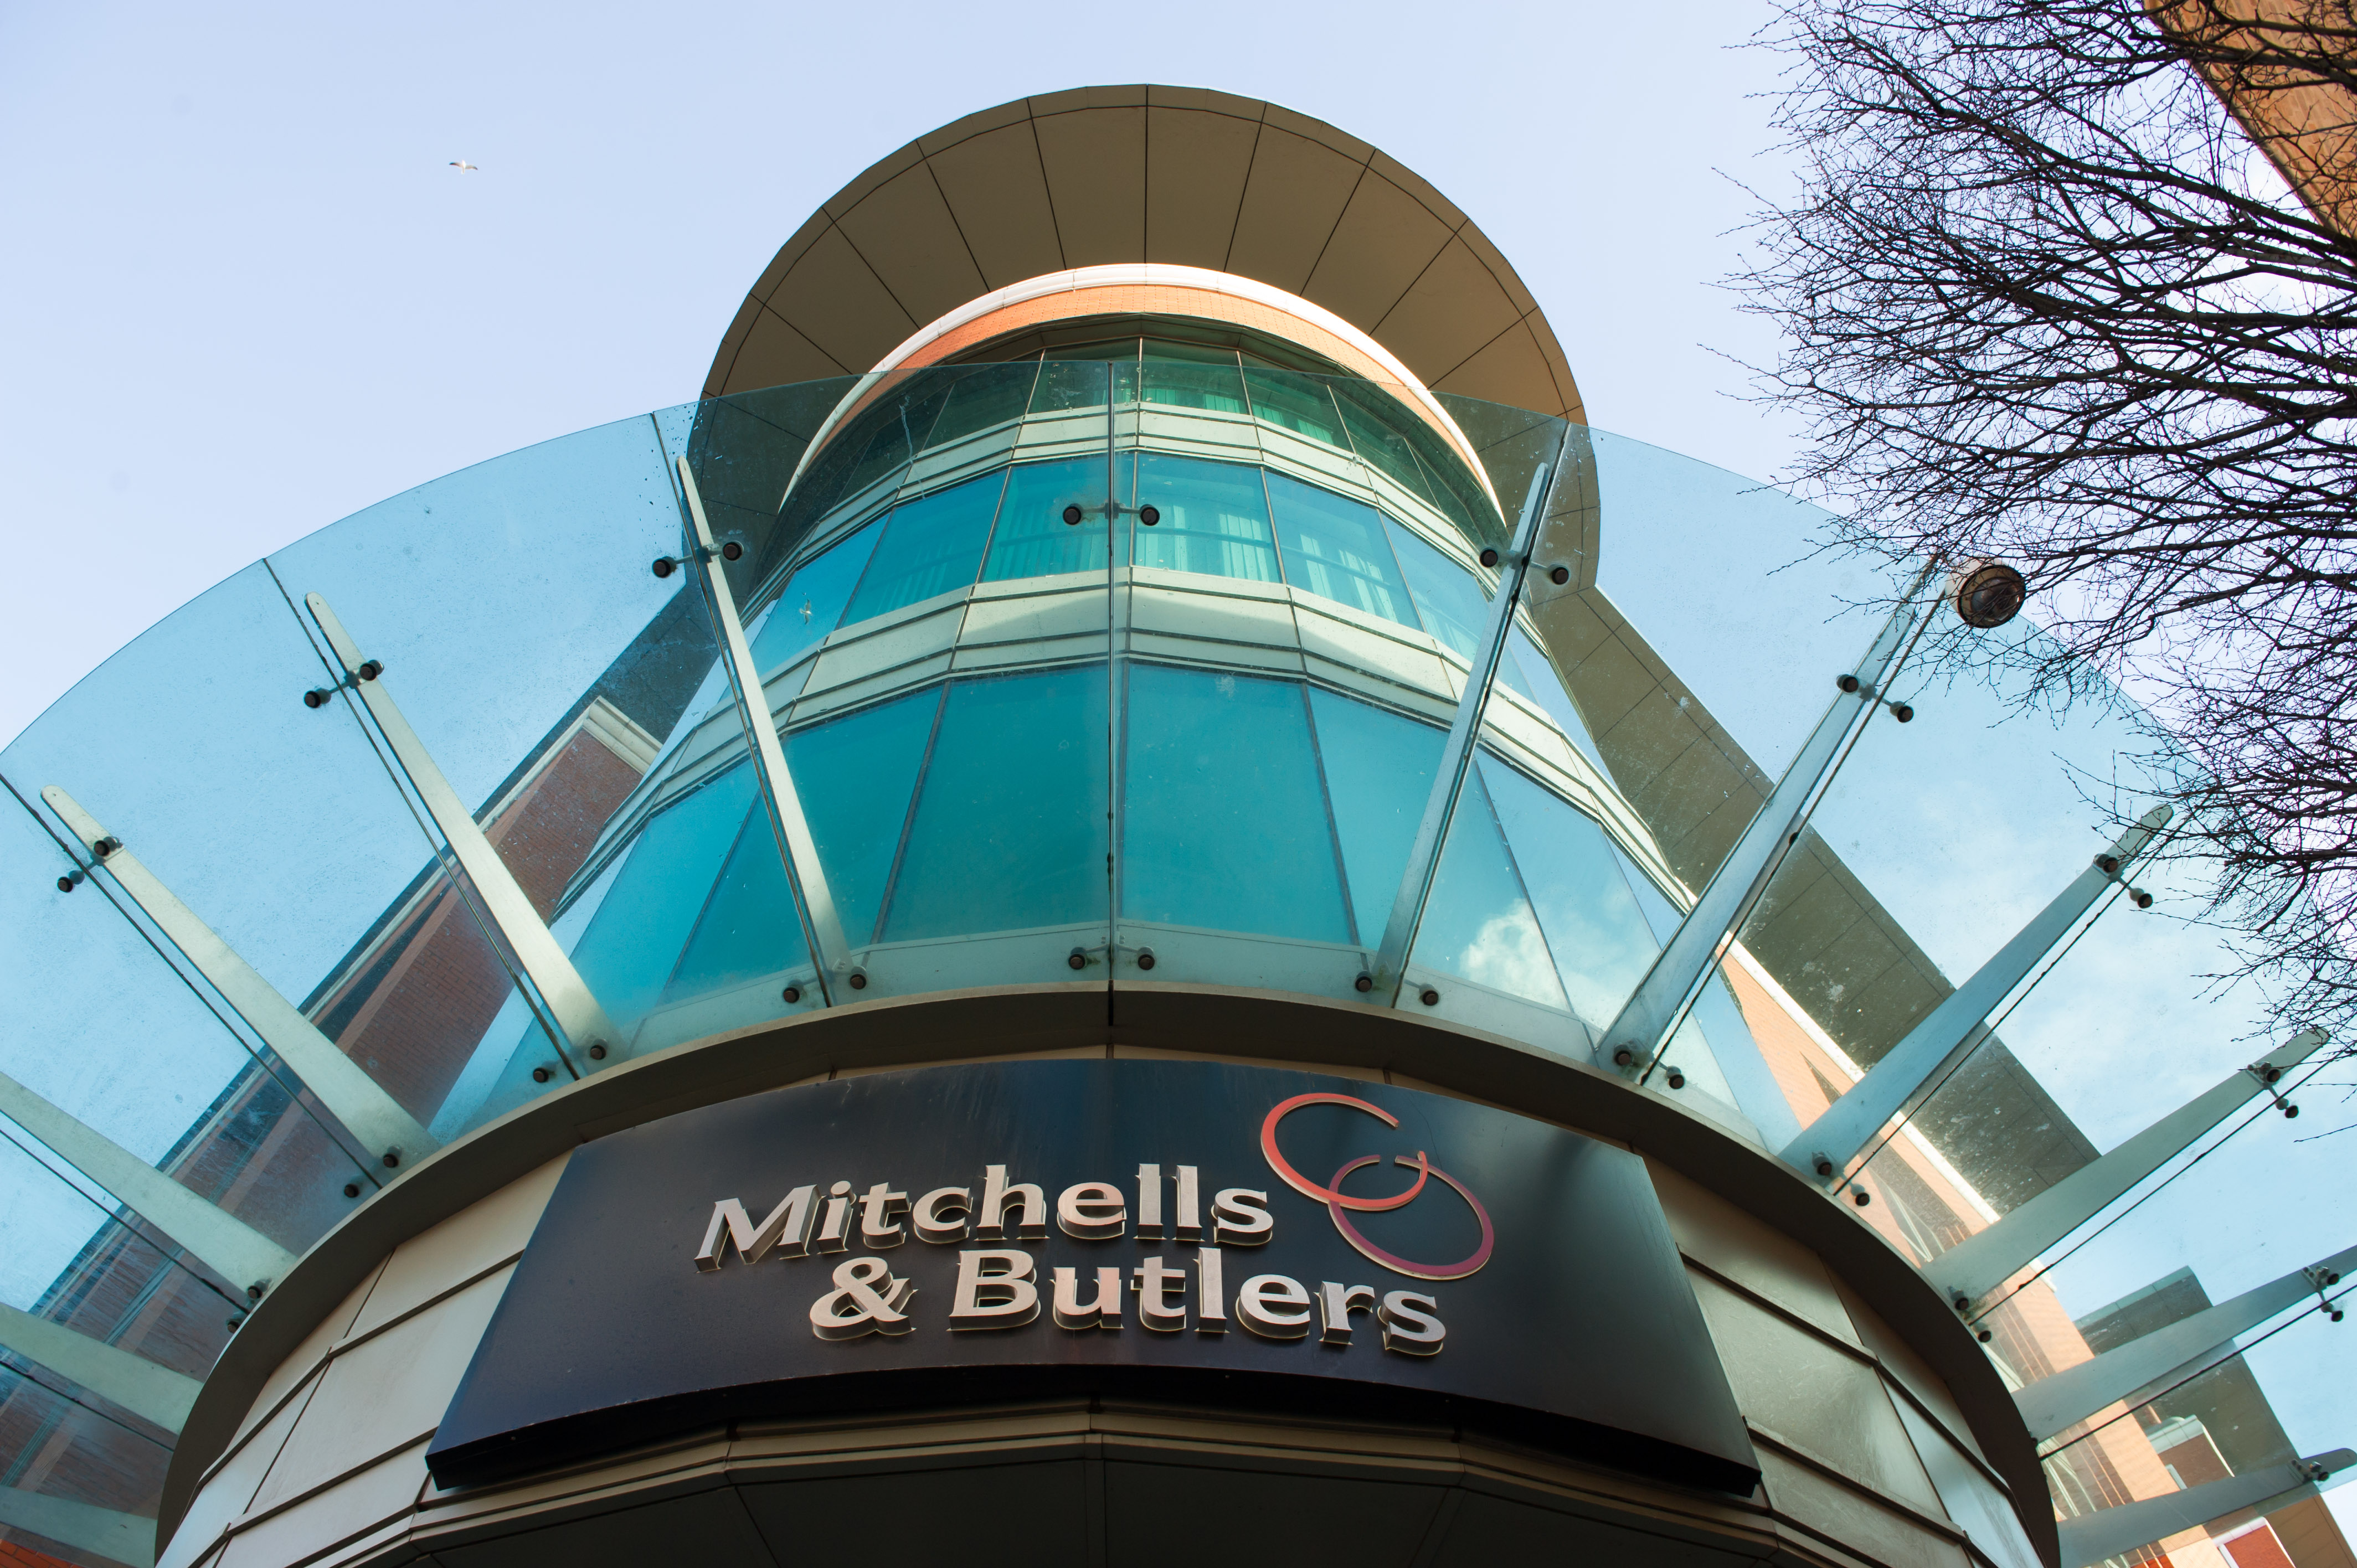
point(1338, 1202)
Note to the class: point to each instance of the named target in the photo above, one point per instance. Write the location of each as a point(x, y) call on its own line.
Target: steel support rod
point(102, 1533)
point(227, 1245)
point(814, 899)
point(2116, 1532)
point(1662, 1000)
point(575, 1006)
point(2054, 1403)
point(1904, 1078)
point(152, 1392)
point(1389, 970)
point(1983, 1262)
point(356, 1099)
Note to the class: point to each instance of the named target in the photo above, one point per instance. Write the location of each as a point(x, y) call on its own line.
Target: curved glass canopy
point(1082, 672)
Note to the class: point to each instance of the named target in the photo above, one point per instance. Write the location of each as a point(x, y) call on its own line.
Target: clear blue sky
point(245, 294)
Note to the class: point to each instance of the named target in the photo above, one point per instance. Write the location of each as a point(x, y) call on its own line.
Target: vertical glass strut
point(813, 900)
point(579, 1017)
point(1916, 1065)
point(358, 1101)
point(1390, 968)
point(1660, 1003)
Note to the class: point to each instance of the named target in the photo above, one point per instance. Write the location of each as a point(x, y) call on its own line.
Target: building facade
point(776, 978)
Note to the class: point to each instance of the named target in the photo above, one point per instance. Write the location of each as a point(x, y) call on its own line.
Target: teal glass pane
point(1659, 914)
point(1543, 686)
point(1478, 922)
point(633, 941)
point(1298, 403)
point(1378, 768)
point(1334, 547)
point(1223, 821)
point(1454, 488)
point(748, 927)
point(1214, 518)
point(1584, 906)
point(1378, 445)
point(1032, 539)
point(1449, 599)
point(855, 776)
point(930, 546)
point(1066, 384)
point(1180, 375)
point(1009, 832)
point(991, 394)
point(813, 601)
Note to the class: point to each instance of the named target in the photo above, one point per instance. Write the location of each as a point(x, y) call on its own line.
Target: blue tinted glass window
point(1334, 547)
point(853, 775)
point(930, 546)
point(1660, 913)
point(1298, 403)
point(1066, 384)
point(1032, 539)
point(990, 395)
point(1181, 375)
point(748, 927)
point(1585, 905)
point(813, 601)
point(1010, 823)
point(634, 940)
point(1542, 686)
point(1224, 822)
point(1378, 772)
point(1478, 922)
point(1377, 443)
point(1214, 518)
point(1449, 599)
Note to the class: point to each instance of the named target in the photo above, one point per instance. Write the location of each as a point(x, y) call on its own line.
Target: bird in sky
point(462, 165)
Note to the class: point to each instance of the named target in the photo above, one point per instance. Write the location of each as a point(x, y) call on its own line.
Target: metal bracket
point(1389, 969)
point(1636, 1037)
point(356, 1099)
point(1914, 1068)
point(578, 1014)
point(814, 899)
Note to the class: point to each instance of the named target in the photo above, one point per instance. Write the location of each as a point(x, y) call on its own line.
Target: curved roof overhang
point(1108, 176)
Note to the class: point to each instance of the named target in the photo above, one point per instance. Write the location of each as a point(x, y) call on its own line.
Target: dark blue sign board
point(1228, 1236)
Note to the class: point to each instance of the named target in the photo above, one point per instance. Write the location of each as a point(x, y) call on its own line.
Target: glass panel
point(930, 545)
point(1180, 375)
point(1379, 444)
point(1033, 539)
point(1335, 547)
point(1448, 598)
point(1009, 830)
point(1214, 518)
point(981, 398)
point(749, 929)
point(1541, 684)
point(1378, 768)
point(1479, 923)
point(1067, 384)
point(1298, 403)
point(813, 601)
point(856, 777)
point(1581, 897)
point(1224, 824)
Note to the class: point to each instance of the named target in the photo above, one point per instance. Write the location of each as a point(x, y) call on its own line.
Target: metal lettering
point(1006, 1274)
point(995, 1196)
point(1335, 1305)
point(1412, 1324)
point(786, 1232)
point(854, 1308)
point(1191, 1211)
point(1149, 1203)
point(1091, 1210)
point(1240, 1217)
point(927, 1216)
point(1210, 1294)
point(834, 1231)
point(1274, 1306)
point(877, 1228)
point(1155, 1281)
point(1105, 1312)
